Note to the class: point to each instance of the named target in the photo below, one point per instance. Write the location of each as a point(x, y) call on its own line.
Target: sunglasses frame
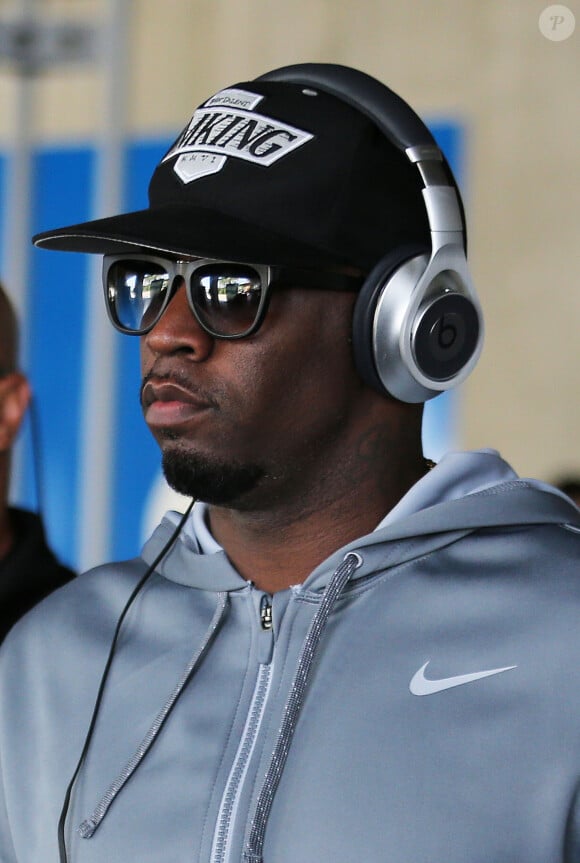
point(270, 276)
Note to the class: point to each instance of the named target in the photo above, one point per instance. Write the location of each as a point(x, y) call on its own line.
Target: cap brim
point(190, 230)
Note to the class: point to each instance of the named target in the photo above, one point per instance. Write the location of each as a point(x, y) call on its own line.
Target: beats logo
point(445, 336)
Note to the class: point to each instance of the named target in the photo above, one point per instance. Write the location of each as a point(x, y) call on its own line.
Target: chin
point(211, 480)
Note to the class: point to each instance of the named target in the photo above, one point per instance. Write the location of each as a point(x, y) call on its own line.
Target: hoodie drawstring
point(254, 851)
point(91, 824)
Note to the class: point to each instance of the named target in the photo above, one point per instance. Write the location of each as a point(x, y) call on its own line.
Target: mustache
point(158, 375)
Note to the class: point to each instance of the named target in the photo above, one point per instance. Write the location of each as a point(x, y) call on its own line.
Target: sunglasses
point(228, 300)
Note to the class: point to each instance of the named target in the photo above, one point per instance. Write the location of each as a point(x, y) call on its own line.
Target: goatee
point(210, 480)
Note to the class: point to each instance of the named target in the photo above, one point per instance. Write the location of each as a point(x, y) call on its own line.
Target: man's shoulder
point(88, 602)
point(557, 544)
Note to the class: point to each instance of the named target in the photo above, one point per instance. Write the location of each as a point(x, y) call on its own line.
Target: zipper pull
point(266, 612)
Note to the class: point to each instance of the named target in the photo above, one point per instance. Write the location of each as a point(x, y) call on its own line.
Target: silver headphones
point(417, 324)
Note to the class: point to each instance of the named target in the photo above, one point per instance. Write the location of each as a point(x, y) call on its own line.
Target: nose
point(177, 331)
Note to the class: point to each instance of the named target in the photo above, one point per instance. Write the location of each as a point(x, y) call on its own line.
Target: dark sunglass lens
point(135, 292)
point(226, 297)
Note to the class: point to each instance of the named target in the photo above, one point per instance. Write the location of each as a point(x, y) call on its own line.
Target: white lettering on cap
point(232, 132)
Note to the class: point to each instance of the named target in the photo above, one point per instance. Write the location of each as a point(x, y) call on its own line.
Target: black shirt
point(29, 572)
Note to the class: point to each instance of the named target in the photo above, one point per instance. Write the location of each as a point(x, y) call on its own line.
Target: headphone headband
point(402, 127)
point(417, 326)
point(398, 123)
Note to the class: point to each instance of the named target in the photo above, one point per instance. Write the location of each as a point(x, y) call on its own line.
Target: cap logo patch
point(234, 98)
point(227, 127)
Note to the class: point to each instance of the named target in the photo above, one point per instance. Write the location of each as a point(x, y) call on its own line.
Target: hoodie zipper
point(266, 611)
point(231, 798)
point(229, 805)
point(332, 592)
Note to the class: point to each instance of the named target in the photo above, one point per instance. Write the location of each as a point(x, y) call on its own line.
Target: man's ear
point(14, 400)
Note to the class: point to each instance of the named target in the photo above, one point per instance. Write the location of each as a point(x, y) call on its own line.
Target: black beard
point(212, 481)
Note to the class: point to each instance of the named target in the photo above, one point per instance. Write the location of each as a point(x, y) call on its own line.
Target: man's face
point(244, 422)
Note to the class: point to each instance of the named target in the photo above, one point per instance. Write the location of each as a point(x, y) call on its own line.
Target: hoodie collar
point(464, 492)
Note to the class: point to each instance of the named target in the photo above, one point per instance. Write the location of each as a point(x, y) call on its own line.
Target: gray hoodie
point(415, 700)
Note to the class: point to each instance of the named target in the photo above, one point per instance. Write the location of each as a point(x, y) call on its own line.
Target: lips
point(166, 403)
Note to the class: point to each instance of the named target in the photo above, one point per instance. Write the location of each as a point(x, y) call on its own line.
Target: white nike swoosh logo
point(420, 685)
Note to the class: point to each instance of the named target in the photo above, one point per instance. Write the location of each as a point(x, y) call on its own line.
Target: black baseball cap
point(270, 172)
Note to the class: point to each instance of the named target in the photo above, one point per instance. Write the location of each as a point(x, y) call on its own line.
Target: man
point(28, 568)
point(343, 653)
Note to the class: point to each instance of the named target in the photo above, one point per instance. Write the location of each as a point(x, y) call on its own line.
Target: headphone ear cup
point(365, 308)
point(445, 336)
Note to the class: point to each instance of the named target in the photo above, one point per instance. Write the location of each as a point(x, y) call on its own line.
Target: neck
point(279, 542)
